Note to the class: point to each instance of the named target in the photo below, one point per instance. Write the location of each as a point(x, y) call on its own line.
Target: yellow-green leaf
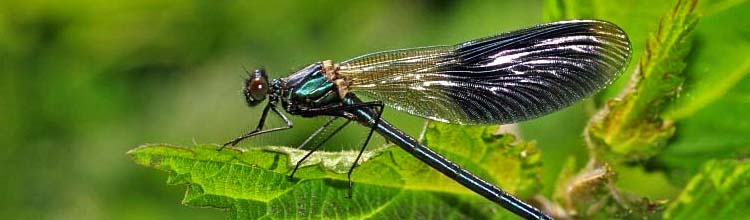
point(253, 183)
point(721, 190)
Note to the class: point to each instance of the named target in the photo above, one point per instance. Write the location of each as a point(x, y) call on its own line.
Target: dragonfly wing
point(501, 79)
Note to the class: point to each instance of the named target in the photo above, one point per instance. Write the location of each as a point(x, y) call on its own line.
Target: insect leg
point(364, 146)
point(259, 129)
point(317, 132)
point(319, 144)
point(337, 110)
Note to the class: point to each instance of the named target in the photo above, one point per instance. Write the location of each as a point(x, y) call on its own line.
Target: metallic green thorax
point(315, 88)
point(309, 88)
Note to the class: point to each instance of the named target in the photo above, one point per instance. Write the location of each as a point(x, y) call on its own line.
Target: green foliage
point(682, 106)
point(712, 121)
point(695, 82)
point(253, 183)
point(719, 191)
point(630, 125)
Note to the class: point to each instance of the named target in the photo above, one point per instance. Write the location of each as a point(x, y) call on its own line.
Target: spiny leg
point(337, 110)
point(259, 129)
point(319, 144)
point(364, 146)
point(314, 134)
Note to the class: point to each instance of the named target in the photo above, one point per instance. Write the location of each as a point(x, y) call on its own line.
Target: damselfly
point(500, 79)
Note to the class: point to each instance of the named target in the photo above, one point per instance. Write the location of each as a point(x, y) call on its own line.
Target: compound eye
point(258, 88)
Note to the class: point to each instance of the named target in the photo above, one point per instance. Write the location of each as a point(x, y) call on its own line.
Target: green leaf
point(708, 112)
point(719, 191)
point(693, 74)
point(392, 184)
point(712, 119)
point(630, 126)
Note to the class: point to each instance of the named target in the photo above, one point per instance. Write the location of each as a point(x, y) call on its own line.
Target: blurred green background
point(82, 82)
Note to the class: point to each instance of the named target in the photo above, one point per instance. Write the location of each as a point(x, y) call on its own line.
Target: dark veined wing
point(501, 79)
